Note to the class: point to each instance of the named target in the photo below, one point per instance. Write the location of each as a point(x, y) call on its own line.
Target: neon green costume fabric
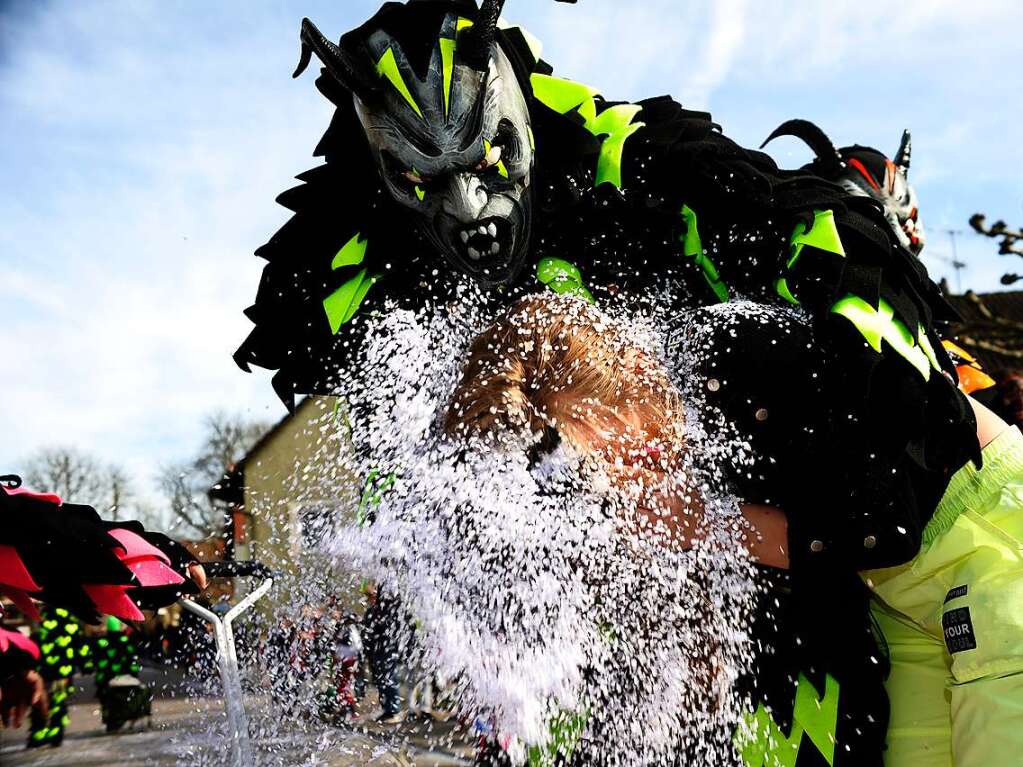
point(953, 621)
point(64, 649)
point(114, 654)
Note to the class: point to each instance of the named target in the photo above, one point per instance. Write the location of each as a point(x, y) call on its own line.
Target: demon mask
point(448, 125)
point(866, 172)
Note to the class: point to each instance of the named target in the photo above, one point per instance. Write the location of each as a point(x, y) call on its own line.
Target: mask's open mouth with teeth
point(486, 244)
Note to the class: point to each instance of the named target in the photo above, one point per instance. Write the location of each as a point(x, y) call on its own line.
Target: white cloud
point(684, 47)
point(725, 37)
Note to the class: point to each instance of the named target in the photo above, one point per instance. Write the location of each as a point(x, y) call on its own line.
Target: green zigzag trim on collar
point(563, 277)
point(880, 324)
point(692, 247)
point(822, 234)
point(341, 305)
point(762, 743)
point(351, 254)
point(614, 124)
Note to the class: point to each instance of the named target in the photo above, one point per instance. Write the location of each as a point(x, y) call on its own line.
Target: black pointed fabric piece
point(68, 546)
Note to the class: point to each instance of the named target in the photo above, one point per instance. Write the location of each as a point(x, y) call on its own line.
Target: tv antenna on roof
point(954, 262)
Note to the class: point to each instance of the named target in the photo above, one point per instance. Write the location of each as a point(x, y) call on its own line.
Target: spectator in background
point(114, 653)
point(283, 679)
point(22, 689)
point(343, 686)
point(385, 627)
point(64, 649)
point(20, 692)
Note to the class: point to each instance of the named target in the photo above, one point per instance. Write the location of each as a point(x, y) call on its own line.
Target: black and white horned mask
point(449, 127)
point(867, 172)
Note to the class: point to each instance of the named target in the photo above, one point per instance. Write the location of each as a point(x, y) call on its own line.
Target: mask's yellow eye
point(417, 181)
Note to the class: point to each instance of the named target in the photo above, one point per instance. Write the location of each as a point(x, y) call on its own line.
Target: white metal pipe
point(234, 706)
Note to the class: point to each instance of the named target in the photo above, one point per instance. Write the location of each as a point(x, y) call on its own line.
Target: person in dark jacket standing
point(385, 640)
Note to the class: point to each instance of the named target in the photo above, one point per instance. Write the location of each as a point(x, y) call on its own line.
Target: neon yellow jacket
point(953, 621)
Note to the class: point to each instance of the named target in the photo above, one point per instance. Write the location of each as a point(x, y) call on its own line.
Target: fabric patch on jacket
point(958, 629)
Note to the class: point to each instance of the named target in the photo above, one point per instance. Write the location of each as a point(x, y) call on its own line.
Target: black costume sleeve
point(865, 423)
point(900, 425)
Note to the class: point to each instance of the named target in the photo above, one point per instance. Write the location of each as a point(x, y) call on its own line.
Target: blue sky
point(142, 145)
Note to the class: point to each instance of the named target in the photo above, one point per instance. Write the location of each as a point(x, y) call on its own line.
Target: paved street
point(189, 731)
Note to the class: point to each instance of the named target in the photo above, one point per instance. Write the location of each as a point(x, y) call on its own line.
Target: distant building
point(289, 492)
point(992, 331)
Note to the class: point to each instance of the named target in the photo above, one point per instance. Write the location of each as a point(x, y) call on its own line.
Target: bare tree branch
point(78, 477)
point(185, 484)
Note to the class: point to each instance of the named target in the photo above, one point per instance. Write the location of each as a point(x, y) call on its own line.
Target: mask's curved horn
point(476, 50)
point(902, 157)
point(814, 137)
point(334, 58)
